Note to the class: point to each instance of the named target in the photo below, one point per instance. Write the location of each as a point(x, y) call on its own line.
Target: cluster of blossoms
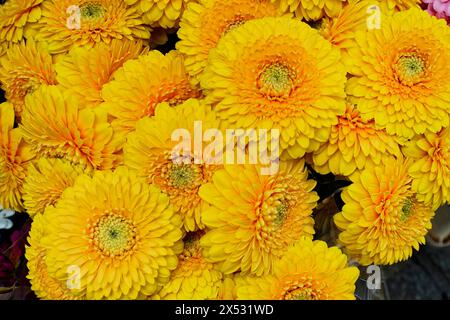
point(357, 88)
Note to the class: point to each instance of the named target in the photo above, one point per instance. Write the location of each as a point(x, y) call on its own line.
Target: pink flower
point(439, 8)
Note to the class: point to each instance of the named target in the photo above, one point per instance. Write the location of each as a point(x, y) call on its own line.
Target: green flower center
point(114, 235)
point(407, 209)
point(275, 80)
point(410, 68)
point(301, 292)
point(281, 213)
point(92, 10)
point(182, 176)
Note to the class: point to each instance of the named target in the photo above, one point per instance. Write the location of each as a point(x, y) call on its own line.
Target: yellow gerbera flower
point(16, 16)
point(121, 233)
point(141, 84)
point(15, 157)
point(401, 74)
point(277, 73)
point(160, 13)
point(382, 219)
point(45, 182)
point(311, 9)
point(56, 127)
point(253, 218)
point(309, 270)
point(85, 70)
point(430, 154)
point(43, 285)
point(202, 27)
point(353, 145)
point(194, 278)
point(23, 69)
point(149, 151)
point(73, 23)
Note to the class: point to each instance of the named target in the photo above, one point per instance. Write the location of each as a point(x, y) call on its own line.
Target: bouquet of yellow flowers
point(165, 149)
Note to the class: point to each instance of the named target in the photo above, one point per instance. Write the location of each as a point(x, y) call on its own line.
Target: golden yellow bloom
point(45, 182)
point(15, 157)
point(160, 13)
point(354, 16)
point(254, 218)
point(23, 69)
point(194, 278)
point(309, 270)
point(202, 27)
point(401, 74)
point(391, 6)
point(340, 30)
point(43, 285)
point(73, 23)
point(85, 70)
point(149, 151)
point(121, 233)
point(311, 9)
point(353, 145)
point(56, 127)
point(142, 84)
point(16, 16)
point(430, 170)
point(382, 219)
point(277, 73)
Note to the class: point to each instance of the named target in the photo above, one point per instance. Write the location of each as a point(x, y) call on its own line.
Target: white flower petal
point(5, 224)
point(6, 213)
